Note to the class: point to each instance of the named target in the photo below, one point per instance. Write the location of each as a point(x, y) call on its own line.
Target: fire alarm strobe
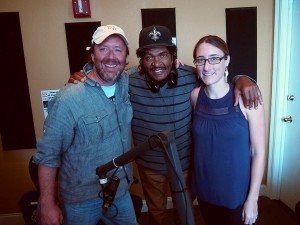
point(81, 8)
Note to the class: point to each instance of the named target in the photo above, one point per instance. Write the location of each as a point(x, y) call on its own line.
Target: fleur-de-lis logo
point(154, 34)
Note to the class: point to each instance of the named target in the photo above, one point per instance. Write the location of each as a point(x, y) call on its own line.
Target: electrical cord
point(177, 176)
point(171, 160)
point(108, 192)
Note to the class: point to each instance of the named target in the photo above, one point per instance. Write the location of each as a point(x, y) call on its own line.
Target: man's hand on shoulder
point(249, 91)
point(76, 77)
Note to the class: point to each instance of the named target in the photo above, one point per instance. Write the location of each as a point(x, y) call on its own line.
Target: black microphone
point(109, 192)
point(127, 157)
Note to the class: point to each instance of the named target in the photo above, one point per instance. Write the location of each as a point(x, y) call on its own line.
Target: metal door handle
point(291, 97)
point(288, 119)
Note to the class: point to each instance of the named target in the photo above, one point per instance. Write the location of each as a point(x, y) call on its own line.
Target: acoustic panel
point(16, 121)
point(241, 35)
point(79, 36)
point(160, 16)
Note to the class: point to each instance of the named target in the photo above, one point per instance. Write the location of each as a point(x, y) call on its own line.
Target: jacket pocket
point(98, 127)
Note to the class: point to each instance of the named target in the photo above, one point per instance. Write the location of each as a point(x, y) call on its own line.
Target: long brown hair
point(213, 40)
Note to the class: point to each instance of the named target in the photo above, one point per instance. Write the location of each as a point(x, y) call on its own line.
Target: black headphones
point(154, 86)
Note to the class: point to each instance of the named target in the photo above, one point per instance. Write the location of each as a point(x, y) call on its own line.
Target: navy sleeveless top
point(221, 170)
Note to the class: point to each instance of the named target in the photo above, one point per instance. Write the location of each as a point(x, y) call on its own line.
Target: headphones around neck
point(154, 86)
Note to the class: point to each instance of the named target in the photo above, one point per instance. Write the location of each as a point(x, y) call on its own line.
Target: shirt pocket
point(98, 127)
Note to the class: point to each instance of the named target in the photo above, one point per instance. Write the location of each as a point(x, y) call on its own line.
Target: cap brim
point(155, 45)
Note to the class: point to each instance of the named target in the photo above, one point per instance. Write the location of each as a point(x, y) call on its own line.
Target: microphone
point(109, 192)
point(127, 157)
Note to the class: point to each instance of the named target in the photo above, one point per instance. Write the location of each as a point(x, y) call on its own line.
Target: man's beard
point(104, 77)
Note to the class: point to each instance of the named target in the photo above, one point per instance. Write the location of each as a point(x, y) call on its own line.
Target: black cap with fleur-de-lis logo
point(153, 36)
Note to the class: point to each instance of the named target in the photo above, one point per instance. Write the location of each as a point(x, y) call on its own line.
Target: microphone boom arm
point(127, 157)
point(178, 187)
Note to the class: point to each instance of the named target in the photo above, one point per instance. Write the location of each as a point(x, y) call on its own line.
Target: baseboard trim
point(10, 215)
point(288, 210)
point(262, 192)
point(12, 219)
point(169, 204)
point(5, 219)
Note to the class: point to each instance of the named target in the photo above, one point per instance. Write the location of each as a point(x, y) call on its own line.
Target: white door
point(284, 151)
point(290, 183)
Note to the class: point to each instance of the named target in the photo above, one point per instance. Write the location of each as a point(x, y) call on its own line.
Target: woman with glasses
point(229, 142)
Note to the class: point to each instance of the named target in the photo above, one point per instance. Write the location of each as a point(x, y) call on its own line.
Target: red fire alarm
point(81, 8)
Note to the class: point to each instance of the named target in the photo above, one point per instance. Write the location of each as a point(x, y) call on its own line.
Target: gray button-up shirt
point(84, 130)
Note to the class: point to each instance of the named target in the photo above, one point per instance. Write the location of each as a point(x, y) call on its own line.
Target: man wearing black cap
point(160, 103)
point(160, 97)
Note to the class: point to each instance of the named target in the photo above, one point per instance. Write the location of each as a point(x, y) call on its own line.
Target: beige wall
point(43, 32)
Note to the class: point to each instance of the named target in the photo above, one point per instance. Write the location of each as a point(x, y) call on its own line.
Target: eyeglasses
point(162, 56)
point(211, 61)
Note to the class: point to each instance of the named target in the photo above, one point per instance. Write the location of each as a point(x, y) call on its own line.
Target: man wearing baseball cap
point(87, 126)
point(160, 98)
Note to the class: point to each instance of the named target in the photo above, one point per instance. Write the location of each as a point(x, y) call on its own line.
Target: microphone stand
point(178, 187)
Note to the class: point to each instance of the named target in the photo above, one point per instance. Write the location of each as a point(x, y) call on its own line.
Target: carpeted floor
point(271, 212)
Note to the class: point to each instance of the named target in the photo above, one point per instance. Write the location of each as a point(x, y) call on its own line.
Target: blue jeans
point(90, 212)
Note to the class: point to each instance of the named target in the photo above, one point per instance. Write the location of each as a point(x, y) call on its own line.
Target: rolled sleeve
point(58, 135)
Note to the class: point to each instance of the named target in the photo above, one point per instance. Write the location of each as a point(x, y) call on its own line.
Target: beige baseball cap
point(103, 32)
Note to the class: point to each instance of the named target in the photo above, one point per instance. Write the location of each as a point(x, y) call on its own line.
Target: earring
point(226, 72)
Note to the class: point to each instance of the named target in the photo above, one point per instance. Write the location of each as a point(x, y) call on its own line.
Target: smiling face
point(157, 62)
point(109, 59)
point(208, 73)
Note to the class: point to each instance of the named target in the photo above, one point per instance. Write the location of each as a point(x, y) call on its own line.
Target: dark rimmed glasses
point(212, 60)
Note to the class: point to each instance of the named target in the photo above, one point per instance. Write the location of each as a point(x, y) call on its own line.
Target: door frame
point(280, 84)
